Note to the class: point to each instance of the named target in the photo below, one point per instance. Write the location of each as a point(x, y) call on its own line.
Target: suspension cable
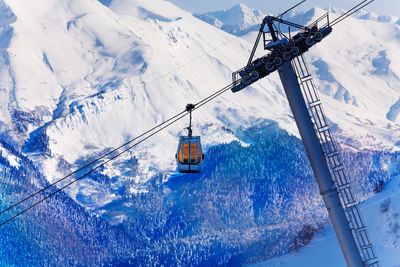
point(92, 170)
point(90, 163)
point(159, 128)
point(127, 143)
point(351, 11)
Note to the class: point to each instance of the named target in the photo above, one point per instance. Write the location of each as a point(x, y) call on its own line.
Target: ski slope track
point(80, 77)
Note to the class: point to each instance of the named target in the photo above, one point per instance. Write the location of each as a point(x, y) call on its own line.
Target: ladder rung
point(366, 247)
point(361, 228)
point(338, 168)
point(323, 128)
point(349, 205)
point(338, 171)
point(342, 187)
point(374, 264)
point(314, 103)
point(331, 154)
point(306, 78)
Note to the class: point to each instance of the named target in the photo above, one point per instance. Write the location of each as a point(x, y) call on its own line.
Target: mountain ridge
point(81, 77)
point(241, 19)
point(74, 98)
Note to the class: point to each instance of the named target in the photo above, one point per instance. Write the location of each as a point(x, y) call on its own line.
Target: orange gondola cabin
point(189, 155)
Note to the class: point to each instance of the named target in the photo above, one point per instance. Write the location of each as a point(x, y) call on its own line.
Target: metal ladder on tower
point(336, 167)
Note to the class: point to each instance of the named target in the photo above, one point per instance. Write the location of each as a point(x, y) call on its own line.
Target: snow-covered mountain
point(82, 69)
point(241, 19)
point(237, 20)
point(79, 77)
point(378, 18)
point(375, 57)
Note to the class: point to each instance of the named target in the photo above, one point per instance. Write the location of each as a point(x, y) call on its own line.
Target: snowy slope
point(79, 78)
point(86, 65)
point(368, 104)
point(237, 20)
point(241, 19)
point(381, 215)
point(379, 18)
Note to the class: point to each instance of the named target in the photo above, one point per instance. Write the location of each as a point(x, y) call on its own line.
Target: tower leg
point(319, 165)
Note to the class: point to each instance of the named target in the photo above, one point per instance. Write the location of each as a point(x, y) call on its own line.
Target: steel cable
point(151, 132)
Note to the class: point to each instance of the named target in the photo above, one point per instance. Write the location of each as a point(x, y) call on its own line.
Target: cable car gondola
point(189, 155)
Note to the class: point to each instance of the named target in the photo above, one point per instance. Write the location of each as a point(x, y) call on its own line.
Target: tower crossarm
point(281, 50)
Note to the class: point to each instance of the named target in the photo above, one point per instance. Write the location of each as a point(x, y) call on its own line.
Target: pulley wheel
point(295, 50)
point(318, 36)
point(254, 75)
point(246, 80)
point(269, 66)
point(277, 61)
point(286, 56)
point(309, 41)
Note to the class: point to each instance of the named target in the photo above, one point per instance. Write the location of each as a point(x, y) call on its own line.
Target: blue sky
point(381, 7)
